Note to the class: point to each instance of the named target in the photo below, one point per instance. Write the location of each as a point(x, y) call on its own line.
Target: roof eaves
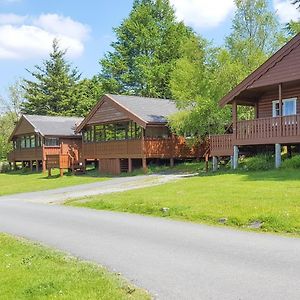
point(261, 70)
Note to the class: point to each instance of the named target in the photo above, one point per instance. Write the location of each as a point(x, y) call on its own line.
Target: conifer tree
point(51, 91)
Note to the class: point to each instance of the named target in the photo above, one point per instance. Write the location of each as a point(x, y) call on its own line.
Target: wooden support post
point(84, 165)
point(277, 155)
point(23, 164)
point(280, 99)
point(31, 165)
point(256, 112)
point(215, 163)
point(171, 162)
point(37, 165)
point(144, 163)
point(49, 172)
point(99, 166)
point(280, 107)
point(206, 162)
point(129, 165)
point(61, 172)
point(234, 119)
point(15, 166)
point(44, 166)
point(235, 157)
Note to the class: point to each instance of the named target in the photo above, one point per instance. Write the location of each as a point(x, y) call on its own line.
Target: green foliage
point(291, 163)
point(205, 74)
point(258, 162)
point(87, 93)
point(30, 271)
point(193, 85)
point(147, 47)
point(293, 28)
point(255, 34)
point(51, 92)
point(7, 124)
point(4, 167)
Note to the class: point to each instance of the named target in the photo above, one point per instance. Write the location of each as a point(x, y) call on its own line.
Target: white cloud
point(33, 37)
point(12, 19)
point(286, 11)
point(203, 13)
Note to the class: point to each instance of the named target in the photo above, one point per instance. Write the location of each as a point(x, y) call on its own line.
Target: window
point(121, 131)
point(289, 107)
point(110, 132)
point(32, 141)
point(27, 142)
point(23, 144)
point(51, 142)
point(39, 141)
point(99, 133)
point(88, 135)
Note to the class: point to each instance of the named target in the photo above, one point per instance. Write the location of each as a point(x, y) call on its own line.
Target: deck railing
point(268, 128)
point(221, 145)
point(26, 154)
point(271, 130)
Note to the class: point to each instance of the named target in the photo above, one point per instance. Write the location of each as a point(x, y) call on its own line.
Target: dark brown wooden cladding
point(265, 102)
point(107, 113)
point(110, 166)
point(113, 149)
point(288, 69)
point(26, 154)
point(24, 127)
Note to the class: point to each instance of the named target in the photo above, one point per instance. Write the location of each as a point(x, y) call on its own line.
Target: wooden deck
point(147, 148)
point(221, 145)
point(274, 130)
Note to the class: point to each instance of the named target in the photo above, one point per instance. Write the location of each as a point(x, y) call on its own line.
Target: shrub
point(4, 167)
point(258, 162)
point(291, 163)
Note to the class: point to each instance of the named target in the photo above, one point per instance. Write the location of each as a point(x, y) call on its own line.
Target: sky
point(85, 28)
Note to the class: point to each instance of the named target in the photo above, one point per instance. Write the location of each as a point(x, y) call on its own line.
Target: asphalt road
point(173, 260)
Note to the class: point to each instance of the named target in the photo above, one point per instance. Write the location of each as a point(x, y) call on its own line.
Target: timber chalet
point(273, 90)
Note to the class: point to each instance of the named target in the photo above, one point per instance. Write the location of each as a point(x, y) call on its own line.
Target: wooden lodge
point(122, 133)
point(273, 90)
point(45, 142)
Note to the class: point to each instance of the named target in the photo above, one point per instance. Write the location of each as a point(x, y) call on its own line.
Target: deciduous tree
point(147, 46)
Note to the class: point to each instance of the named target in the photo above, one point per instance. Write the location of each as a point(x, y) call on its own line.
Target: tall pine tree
point(147, 47)
point(51, 91)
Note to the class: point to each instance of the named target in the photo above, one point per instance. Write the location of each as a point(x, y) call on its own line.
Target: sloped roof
point(143, 110)
point(53, 125)
point(283, 66)
point(151, 110)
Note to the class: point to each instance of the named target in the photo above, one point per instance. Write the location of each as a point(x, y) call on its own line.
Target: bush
point(4, 167)
point(258, 162)
point(291, 163)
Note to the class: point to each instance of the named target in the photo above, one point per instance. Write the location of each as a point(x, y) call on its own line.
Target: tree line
point(155, 55)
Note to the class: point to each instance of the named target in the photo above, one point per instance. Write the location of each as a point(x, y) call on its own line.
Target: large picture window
point(112, 132)
point(289, 107)
point(51, 141)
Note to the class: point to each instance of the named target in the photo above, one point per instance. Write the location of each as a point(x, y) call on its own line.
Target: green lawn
point(30, 271)
point(17, 182)
point(272, 197)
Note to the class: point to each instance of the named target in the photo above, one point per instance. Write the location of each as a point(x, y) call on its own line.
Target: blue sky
point(27, 28)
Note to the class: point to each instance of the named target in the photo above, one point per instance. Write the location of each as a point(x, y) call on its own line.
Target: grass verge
point(30, 271)
point(235, 199)
point(20, 181)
